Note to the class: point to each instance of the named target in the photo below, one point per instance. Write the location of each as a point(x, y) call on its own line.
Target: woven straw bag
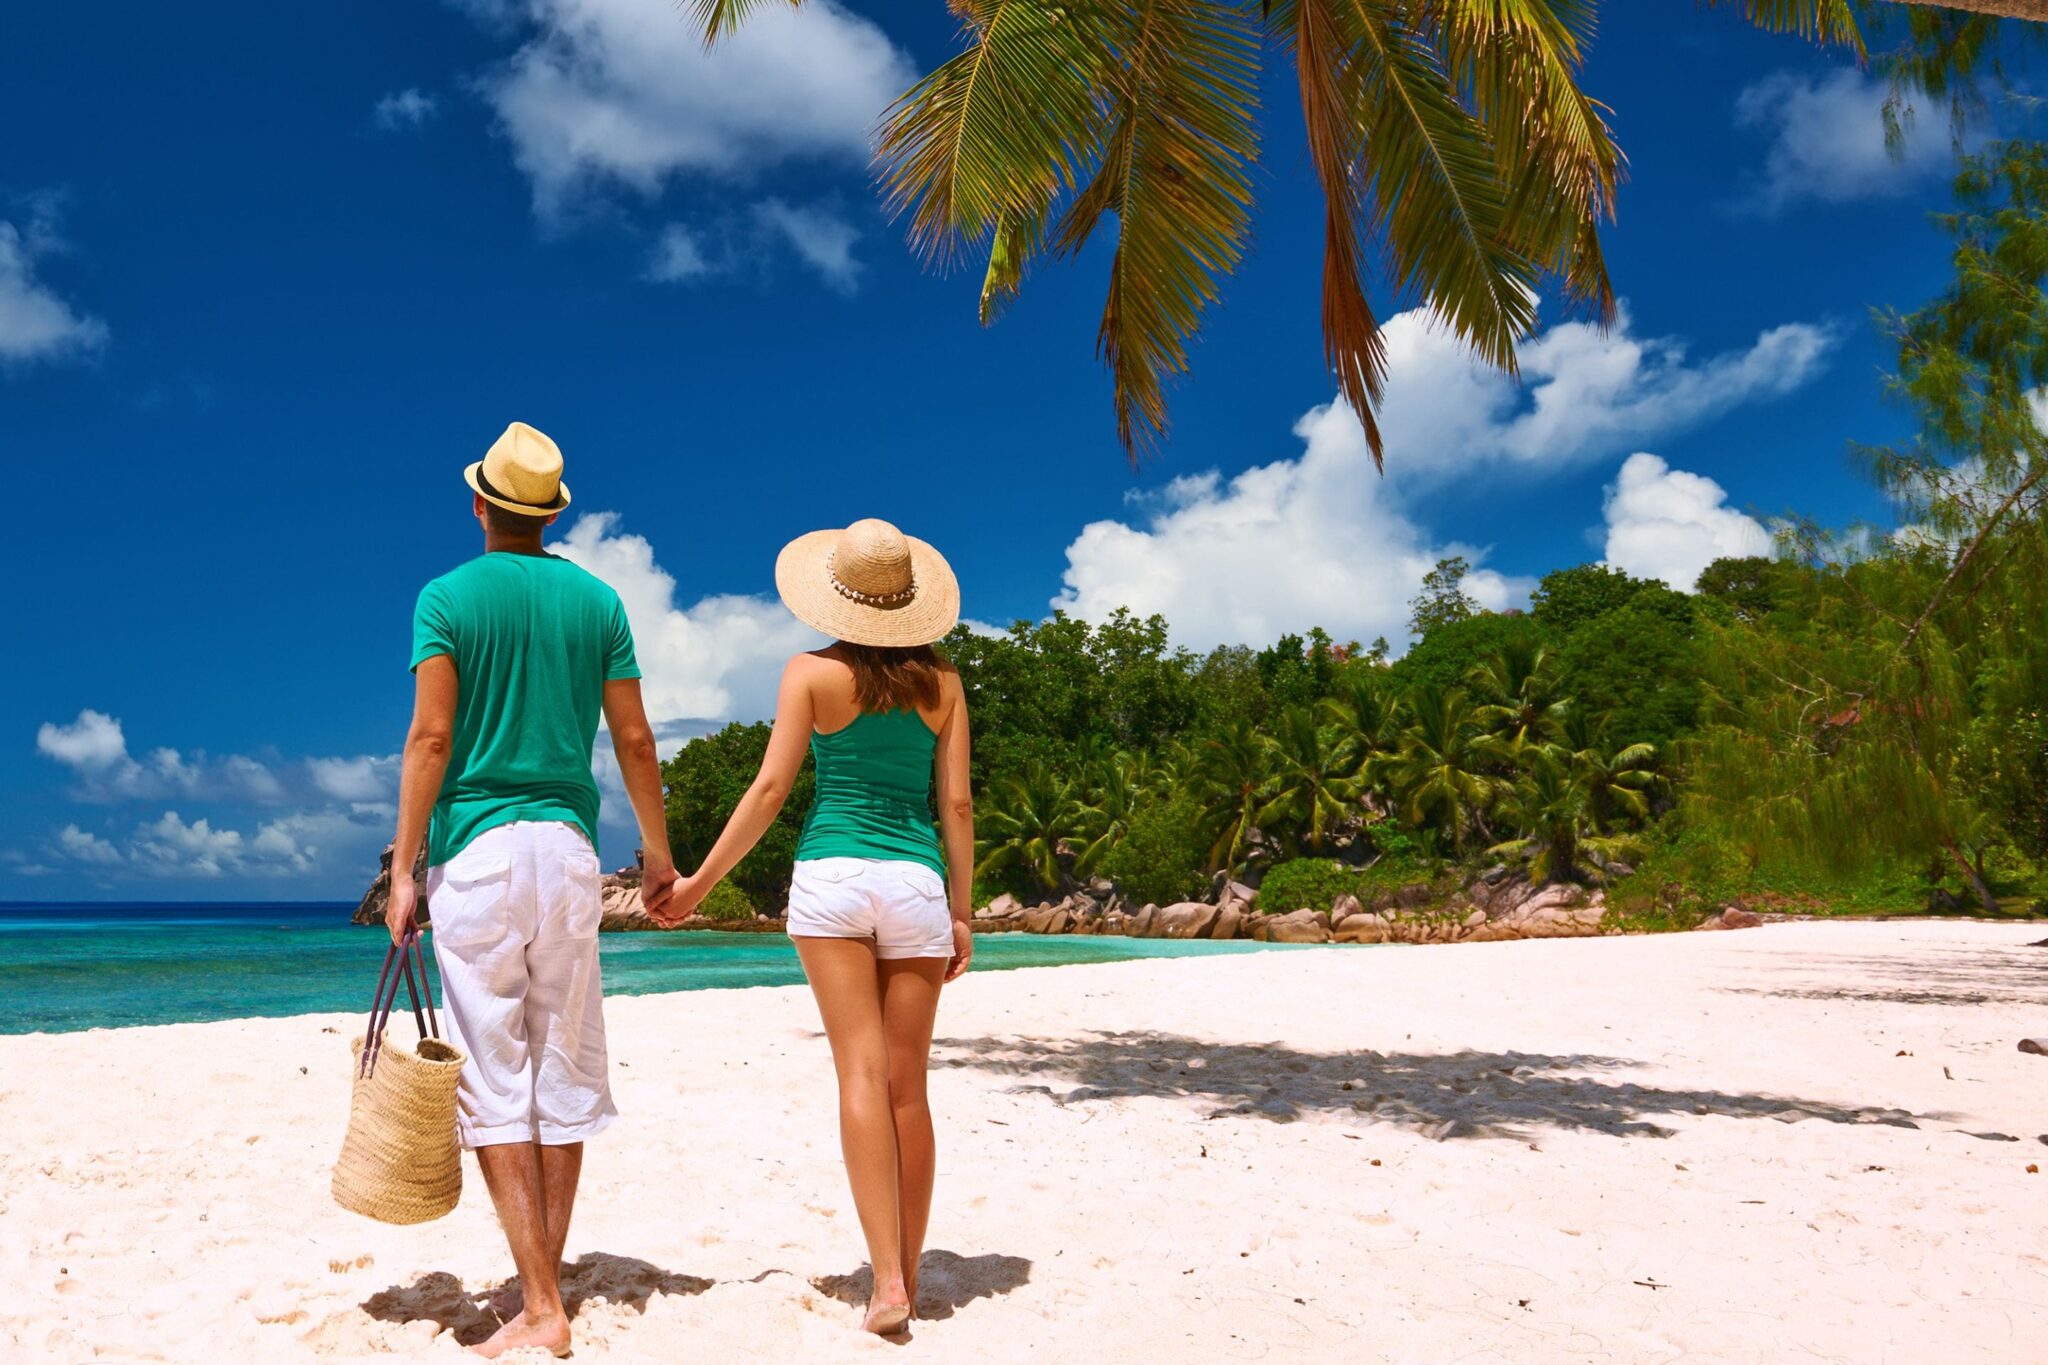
point(399, 1162)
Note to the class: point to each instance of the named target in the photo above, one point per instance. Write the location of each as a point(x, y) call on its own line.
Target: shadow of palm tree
point(1447, 1095)
point(469, 1316)
point(1934, 977)
point(946, 1281)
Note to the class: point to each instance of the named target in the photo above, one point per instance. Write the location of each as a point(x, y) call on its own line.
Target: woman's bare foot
point(888, 1310)
point(550, 1334)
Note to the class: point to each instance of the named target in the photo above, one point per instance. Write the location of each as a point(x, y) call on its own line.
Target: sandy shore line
point(1805, 1141)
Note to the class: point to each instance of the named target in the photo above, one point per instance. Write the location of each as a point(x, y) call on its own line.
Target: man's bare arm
point(419, 781)
point(640, 769)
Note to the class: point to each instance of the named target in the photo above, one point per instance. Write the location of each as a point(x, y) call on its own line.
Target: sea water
point(80, 966)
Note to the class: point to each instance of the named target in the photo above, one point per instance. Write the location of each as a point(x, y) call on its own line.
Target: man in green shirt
point(515, 655)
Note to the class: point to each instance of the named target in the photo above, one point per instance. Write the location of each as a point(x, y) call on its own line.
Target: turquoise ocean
point(81, 966)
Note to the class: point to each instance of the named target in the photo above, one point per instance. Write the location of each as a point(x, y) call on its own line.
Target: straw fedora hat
point(869, 585)
point(521, 472)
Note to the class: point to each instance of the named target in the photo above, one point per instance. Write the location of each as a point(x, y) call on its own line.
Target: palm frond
point(1178, 136)
point(1825, 21)
point(719, 18)
point(982, 146)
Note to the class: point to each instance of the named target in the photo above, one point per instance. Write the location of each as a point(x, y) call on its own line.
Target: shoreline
point(1805, 1138)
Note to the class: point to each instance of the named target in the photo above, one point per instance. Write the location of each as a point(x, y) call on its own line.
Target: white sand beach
point(1809, 1141)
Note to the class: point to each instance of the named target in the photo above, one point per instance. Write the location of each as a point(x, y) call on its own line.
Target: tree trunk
point(1970, 874)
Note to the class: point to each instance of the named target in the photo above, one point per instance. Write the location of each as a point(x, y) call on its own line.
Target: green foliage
point(705, 781)
point(1306, 884)
point(1160, 860)
point(1446, 656)
point(1643, 662)
point(726, 904)
point(1443, 600)
point(1566, 599)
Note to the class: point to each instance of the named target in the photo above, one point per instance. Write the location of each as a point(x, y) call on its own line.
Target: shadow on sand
point(1449, 1095)
point(946, 1282)
point(469, 1317)
point(1935, 977)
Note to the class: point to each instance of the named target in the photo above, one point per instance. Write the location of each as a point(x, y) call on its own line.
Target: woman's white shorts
point(901, 906)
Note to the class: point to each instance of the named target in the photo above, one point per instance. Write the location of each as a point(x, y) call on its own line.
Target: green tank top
point(874, 792)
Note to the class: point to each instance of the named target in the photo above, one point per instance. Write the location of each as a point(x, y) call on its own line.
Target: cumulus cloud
point(35, 322)
point(1827, 141)
point(679, 257)
point(1583, 393)
point(171, 846)
point(95, 748)
point(1297, 543)
point(1666, 523)
point(620, 92)
point(402, 109)
point(1321, 540)
point(820, 238)
point(363, 780)
point(716, 659)
point(85, 847)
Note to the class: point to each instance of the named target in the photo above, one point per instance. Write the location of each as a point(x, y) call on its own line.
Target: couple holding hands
point(516, 655)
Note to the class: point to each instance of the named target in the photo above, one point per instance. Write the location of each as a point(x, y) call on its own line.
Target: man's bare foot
point(888, 1310)
point(550, 1334)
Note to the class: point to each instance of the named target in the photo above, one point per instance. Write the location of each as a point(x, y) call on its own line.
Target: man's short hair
point(506, 522)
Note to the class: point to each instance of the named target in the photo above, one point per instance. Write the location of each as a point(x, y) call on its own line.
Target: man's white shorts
point(515, 934)
point(900, 905)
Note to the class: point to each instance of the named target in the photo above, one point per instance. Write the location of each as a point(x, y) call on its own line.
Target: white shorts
point(514, 922)
point(901, 906)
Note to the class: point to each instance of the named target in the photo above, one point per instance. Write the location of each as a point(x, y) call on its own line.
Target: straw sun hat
point(521, 472)
point(869, 585)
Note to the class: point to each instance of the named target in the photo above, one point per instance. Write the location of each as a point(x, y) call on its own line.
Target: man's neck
point(512, 545)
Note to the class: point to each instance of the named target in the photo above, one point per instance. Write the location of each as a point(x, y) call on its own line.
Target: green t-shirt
point(534, 639)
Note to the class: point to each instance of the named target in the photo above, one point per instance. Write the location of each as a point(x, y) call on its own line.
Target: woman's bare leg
point(910, 1000)
point(847, 986)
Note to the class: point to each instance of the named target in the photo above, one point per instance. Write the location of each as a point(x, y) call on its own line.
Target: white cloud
point(717, 659)
point(1668, 524)
point(1827, 141)
point(624, 92)
point(35, 323)
point(363, 780)
point(821, 239)
point(1583, 394)
point(1321, 540)
point(679, 257)
point(169, 845)
point(407, 108)
point(93, 742)
point(1314, 541)
point(86, 847)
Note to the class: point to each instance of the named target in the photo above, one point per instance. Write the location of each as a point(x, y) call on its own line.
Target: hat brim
point(524, 509)
point(803, 577)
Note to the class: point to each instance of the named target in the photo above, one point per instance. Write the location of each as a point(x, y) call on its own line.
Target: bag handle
point(402, 953)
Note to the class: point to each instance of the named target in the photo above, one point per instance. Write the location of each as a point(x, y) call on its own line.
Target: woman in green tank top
point(880, 895)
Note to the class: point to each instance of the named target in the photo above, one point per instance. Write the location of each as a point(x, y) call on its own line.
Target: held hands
point(401, 911)
point(963, 950)
point(671, 898)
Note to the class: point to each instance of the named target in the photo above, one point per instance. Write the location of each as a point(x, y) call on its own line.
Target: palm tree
point(1117, 787)
point(1618, 782)
point(1444, 769)
point(1450, 137)
point(1032, 818)
point(1366, 717)
point(1519, 686)
point(1550, 804)
point(1231, 769)
point(1311, 788)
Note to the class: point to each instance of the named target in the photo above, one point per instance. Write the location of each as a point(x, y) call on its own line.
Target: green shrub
point(727, 904)
point(1159, 861)
point(1306, 883)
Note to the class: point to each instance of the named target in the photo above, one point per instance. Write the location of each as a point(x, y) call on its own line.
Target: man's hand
point(402, 910)
point(963, 950)
point(658, 882)
point(681, 902)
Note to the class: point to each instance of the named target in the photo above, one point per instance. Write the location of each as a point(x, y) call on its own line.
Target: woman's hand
point(685, 894)
point(963, 950)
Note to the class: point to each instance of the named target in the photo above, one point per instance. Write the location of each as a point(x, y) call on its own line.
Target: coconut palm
point(1451, 139)
point(1231, 769)
point(1029, 824)
point(1550, 805)
point(1366, 718)
point(1519, 686)
point(1311, 788)
point(1618, 781)
point(1445, 768)
point(1117, 788)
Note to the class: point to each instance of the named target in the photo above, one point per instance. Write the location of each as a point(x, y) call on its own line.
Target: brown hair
point(891, 679)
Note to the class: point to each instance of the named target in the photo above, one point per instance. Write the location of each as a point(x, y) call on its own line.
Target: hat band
point(483, 481)
point(868, 599)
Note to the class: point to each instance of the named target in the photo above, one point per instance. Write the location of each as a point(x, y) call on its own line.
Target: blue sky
point(271, 275)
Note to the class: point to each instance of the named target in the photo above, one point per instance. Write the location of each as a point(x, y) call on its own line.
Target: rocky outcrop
point(1732, 917)
point(378, 897)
